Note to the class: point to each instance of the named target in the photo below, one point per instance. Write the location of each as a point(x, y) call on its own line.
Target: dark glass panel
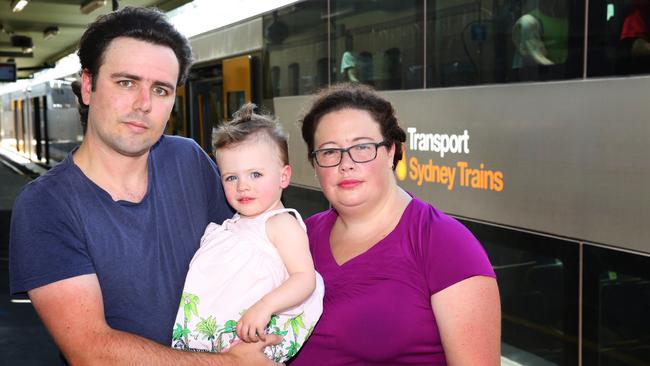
point(617, 308)
point(304, 200)
point(177, 118)
point(483, 42)
point(379, 43)
point(295, 38)
point(205, 88)
point(538, 284)
point(618, 37)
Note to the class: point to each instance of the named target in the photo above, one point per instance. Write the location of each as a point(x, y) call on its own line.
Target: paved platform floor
point(23, 338)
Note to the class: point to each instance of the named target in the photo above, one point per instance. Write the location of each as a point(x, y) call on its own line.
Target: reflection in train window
point(378, 42)
point(538, 284)
point(617, 308)
point(295, 35)
point(503, 41)
point(619, 37)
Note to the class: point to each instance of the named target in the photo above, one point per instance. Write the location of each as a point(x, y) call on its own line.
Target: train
point(545, 162)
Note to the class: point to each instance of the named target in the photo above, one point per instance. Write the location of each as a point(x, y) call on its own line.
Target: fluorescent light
point(18, 5)
point(88, 7)
point(21, 301)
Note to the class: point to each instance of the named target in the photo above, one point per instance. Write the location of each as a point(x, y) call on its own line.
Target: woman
point(404, 283)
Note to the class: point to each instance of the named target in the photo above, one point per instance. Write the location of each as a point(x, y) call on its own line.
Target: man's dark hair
point(355, 96)
point(148, 25)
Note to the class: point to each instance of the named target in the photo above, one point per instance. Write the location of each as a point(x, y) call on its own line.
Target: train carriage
point(540, 149)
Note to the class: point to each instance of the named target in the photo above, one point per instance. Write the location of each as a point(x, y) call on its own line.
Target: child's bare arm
point(292, 243)
point(293, 246)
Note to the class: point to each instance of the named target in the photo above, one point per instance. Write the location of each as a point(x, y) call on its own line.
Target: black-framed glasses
point(359, 153)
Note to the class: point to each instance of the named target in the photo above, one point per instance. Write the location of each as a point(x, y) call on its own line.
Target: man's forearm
point(115, 347)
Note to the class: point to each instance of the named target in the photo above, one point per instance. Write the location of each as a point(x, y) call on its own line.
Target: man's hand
point(252, 353)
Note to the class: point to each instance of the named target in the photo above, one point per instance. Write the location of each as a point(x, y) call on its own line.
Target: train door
point(36, 141)
point(39, 140)
point(206, 104)
point(19, 125)
point(177, 124)
point(237, 83)
point(214, 93)
point(45, 131)
point(28, 141)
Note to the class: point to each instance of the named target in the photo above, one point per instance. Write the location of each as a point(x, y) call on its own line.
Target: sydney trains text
point(462, 174)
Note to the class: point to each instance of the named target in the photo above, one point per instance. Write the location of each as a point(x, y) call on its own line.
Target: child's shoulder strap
point(265, 216)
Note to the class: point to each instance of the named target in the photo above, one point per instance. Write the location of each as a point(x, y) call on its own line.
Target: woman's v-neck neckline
point(358, 257)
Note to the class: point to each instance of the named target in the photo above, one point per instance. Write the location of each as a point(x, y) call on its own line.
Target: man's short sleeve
point(46, 243)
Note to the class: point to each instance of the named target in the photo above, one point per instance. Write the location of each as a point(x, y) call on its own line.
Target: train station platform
point(23, 338)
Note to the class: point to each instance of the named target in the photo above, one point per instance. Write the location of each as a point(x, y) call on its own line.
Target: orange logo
point(400, 169)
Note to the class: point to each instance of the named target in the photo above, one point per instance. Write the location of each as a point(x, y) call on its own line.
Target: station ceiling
point(54, 27)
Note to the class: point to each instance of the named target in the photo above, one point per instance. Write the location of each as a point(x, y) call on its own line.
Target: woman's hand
point(252, 325)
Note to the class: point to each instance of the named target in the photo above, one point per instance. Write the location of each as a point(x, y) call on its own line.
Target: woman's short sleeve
point(449, 252)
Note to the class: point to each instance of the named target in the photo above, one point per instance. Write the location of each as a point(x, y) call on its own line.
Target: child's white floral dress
point(235, 266)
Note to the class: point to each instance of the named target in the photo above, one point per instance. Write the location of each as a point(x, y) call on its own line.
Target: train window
point(618, 37)
point(62, 96)
point(538, 285)
point(235, 100)
point(7, 125)
point(503, 41)
point(294, 38)
point(206, 103)
point(294, 78)
point(378, 42)
point(275, 80)
point(177, 123)
point(616, 302)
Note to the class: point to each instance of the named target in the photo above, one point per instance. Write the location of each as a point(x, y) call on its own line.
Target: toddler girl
point(253, 274)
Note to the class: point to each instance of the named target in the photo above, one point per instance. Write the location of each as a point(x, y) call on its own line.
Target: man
point(102, 242)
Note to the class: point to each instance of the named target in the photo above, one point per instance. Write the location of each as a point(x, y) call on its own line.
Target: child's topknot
point(246, 122)
point(245, 114)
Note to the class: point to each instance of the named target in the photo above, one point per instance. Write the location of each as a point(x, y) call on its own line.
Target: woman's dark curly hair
point(355, 96)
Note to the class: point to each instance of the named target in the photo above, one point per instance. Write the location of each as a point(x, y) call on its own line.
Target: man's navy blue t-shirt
point(64, 225)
